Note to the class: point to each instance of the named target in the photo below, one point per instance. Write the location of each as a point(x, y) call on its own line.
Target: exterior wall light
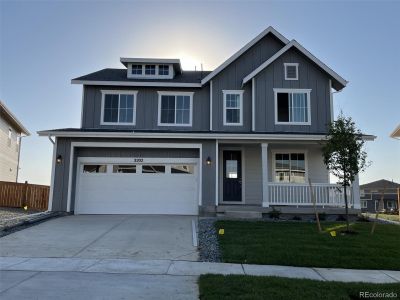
point(208, 161)
point(59, 159)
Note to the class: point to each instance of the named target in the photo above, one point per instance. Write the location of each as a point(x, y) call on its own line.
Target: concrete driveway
point(104, 237)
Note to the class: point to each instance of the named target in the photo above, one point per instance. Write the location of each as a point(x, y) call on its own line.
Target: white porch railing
point(299, 194)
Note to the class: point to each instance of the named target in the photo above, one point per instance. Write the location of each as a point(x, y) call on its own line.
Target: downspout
point(19, 156)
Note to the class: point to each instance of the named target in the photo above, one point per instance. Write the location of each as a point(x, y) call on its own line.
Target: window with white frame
point(390, 204)
point(233, 108)
point(163, 70)
point(150, 69)
point(175, 109)
point(292, 107)
point(364, 204)
point(119, 107)
point(290, 167)
point(291, 71)
point(137, 69)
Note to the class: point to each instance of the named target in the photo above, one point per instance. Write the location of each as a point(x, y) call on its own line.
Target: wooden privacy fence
point(20, 194)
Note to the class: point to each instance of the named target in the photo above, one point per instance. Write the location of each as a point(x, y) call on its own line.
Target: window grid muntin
point(150, 70)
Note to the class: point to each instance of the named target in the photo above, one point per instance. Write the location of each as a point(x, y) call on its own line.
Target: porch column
point(264, 177)
point(356, 193)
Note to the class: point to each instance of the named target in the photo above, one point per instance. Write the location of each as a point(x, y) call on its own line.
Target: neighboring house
point(396, 133)
point(156, 139)
point(11, 131)
point(371, 194)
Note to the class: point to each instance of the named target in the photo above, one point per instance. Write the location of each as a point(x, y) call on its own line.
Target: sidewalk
point(191, 268)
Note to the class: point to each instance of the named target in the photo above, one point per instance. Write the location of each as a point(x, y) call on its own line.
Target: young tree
point(343, 153)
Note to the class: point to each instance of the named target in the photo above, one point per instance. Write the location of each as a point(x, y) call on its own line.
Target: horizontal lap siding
point(310, 77)
point(146, 108)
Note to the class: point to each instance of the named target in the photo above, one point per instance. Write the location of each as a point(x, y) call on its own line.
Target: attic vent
point(291, 71)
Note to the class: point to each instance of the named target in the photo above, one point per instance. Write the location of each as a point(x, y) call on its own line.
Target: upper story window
point(233, 108)
point(290, 167)
point(137, 69)
point(175, 108)
point(163, 70)
point(118, 107)
point(291, 71)
point(150, 69)
point(292, 107)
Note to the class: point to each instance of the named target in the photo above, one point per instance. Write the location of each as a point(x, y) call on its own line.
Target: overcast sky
point(43, 45)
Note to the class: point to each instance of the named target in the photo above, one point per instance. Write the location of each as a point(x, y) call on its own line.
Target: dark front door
point(232, 182)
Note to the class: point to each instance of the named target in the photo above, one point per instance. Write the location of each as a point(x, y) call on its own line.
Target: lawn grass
point(253, 288)
point(300, 244)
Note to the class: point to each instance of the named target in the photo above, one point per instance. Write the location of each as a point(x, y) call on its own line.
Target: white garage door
point(147, 186)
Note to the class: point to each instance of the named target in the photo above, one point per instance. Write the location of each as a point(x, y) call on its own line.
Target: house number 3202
point(138, 159)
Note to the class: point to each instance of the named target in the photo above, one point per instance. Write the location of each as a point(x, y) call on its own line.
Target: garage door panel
point(111, 193)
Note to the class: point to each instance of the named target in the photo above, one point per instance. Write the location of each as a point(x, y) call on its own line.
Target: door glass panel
point(231, 169)
point(153, 169)
point(182, 169)
point(94, 168)
point(124, 168)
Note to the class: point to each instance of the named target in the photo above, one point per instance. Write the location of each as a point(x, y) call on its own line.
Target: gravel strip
point(11, 215)
point(208, 241)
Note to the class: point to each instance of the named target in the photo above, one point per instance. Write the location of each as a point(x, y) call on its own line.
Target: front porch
point(262, 176)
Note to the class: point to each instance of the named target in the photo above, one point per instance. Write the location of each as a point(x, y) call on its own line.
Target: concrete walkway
point(190, 268)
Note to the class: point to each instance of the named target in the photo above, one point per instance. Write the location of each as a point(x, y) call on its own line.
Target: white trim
point(264, 175)
point(211, 105)
point(290, 151)
point(156, 75)
point(291, 91)
point(216, 172)
point(172, 93)
point(285, 65)
point(118, 92)
point(236, 92)
point(191, 135)
point(136, 83)
point(132, 145)
point(331, 100)
point(294, 43)
point(270, 29)
point(53, 171)
point(253, 104)
point(82, 105)
point(150, 60)
point(242, 156)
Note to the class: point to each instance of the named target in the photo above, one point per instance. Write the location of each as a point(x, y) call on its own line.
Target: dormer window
point(163, 70)
point(291, 71)
point(150, 70)
point(137, 69)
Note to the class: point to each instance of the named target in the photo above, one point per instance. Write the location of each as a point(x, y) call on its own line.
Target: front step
point(243, 214)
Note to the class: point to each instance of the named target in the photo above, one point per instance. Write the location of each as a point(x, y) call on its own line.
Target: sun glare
point(189, 62)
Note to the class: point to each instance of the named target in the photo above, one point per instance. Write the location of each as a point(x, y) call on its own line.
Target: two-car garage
point(144, 185)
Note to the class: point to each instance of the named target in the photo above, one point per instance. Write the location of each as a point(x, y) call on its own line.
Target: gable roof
point(396, 132)
point(380, 184)
point(250, 44)
point(338, 82)
point(118, 77)
point(13, 119)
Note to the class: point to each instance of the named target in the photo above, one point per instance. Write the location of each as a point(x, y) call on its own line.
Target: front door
point(232, 181)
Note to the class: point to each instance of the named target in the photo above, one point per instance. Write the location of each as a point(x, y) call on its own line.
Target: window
point(292, 107)
point(150, 70)
point(390, 205)
point(231, 169)
point(124, 168)
point(290, 167)
point(94, 168)
point(119, 107)
point(175, 109)
point(163, 70)
point(152, 169)
point(182, 169)
point(137, 69)
point(291, 71)
point(233, 103)
point(364, 204)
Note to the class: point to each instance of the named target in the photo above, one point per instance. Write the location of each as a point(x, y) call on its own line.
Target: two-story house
point(11, 132)
point(156, 139)
point(372, 193)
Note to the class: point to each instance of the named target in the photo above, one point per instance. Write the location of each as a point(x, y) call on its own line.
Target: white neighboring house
point(11, 131)
point(396, 133)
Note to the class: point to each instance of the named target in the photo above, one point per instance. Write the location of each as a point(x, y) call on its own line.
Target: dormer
point(151, 68)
